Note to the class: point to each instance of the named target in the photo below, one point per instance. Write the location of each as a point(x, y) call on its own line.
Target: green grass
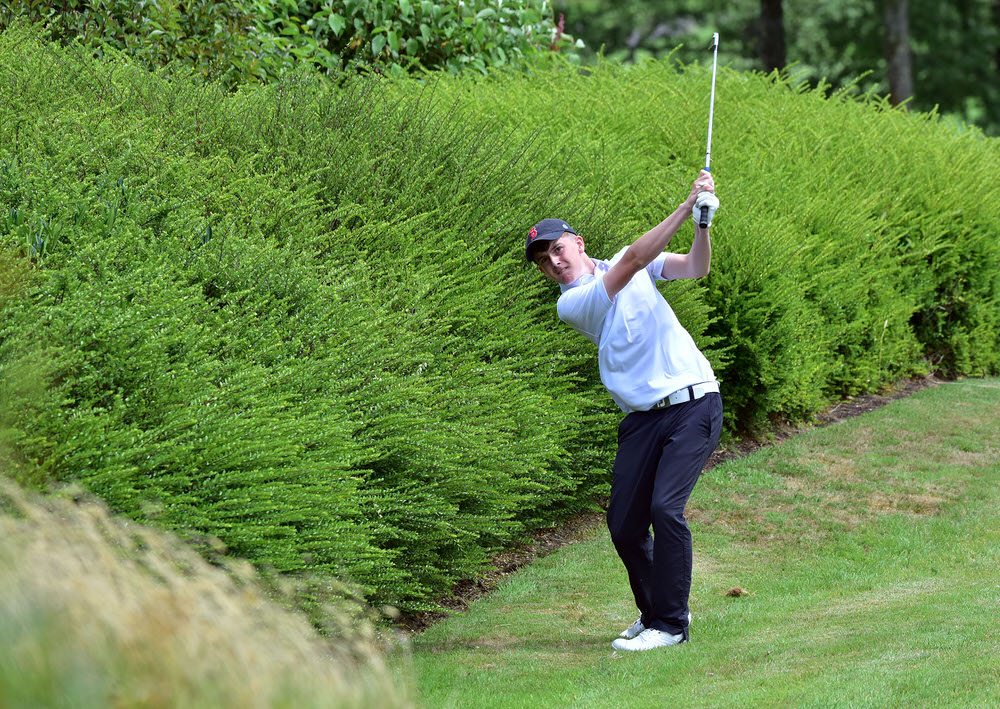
point(869, 551)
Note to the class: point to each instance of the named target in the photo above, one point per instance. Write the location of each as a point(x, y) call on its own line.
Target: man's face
point(564, 261)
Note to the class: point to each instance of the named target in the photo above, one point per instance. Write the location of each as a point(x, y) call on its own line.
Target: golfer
point(664, 384)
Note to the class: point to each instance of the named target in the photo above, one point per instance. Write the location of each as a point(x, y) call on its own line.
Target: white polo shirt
point(643, 351)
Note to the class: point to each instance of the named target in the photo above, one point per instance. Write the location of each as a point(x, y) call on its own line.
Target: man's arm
point(695, 263)
point(651, 244)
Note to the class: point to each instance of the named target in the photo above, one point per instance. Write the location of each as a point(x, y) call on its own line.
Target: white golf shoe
point(633, 630)
point(648, 639)
point(637, 627)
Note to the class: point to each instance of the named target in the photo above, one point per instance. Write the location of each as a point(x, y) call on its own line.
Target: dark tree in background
point(772, 35)
point(897, 50)
point(955, 67)
point(953, 47)
point(631, 30)
point(996, 23)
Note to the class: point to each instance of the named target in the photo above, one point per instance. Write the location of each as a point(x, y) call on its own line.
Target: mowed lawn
point(854, 565)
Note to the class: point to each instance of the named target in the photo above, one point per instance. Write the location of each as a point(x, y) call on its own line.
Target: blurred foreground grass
point(100, 612)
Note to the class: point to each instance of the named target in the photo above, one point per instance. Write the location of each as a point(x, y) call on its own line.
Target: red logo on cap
point(533, 233)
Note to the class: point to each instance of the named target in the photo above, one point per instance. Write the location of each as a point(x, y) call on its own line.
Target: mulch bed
point(581, 526)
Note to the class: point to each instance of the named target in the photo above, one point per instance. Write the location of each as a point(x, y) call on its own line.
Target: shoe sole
point(624, 635)
point(646, 649)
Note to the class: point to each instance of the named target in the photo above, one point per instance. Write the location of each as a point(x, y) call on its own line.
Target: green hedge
point(279, 318)
point(855, 245)
point(297, 318)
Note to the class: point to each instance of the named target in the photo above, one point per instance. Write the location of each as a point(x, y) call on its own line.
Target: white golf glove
point(705, 199)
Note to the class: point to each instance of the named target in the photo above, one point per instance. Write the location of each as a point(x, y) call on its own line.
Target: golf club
point(703, 221)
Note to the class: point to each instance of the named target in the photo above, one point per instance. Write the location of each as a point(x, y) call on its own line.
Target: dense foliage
point(297, 318)
point(280, 317)
point(247, 39)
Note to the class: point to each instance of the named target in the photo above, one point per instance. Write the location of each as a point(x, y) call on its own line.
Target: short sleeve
point(584, 307)
point(655, 267)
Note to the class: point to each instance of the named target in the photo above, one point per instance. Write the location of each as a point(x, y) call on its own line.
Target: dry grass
point(822, 492)
point(99, 612)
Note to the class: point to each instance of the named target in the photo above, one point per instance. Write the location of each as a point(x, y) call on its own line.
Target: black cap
point(546, 230)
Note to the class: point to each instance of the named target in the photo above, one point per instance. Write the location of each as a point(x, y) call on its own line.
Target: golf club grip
point(703, 222)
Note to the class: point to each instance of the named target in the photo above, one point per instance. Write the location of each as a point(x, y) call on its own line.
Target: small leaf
point(378, 44)
point(336, 23)
point(529, 17)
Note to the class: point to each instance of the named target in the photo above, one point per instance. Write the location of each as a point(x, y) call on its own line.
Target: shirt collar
point(600, 268)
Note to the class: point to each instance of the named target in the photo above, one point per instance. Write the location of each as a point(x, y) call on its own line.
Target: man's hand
point(703, 195)
point(705, 201)
point(704, 183)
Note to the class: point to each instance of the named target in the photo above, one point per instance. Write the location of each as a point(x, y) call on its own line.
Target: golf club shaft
point(703, 222)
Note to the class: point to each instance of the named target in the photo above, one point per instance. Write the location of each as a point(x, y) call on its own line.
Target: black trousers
point(660, 456)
